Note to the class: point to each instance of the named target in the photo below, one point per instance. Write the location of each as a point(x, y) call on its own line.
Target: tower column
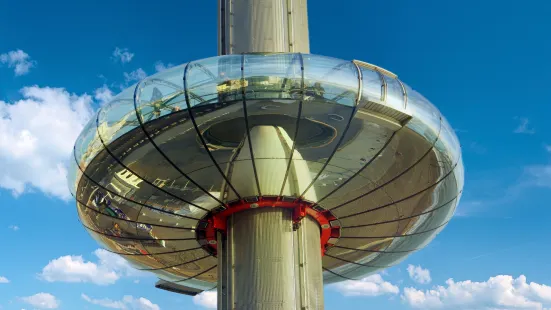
point(265, 264)
point(262, 26)
point(266, 260)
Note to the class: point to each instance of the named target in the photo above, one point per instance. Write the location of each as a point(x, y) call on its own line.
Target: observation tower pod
point(266, 171)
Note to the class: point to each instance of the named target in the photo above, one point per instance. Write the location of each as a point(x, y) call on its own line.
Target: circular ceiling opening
point(230, 133)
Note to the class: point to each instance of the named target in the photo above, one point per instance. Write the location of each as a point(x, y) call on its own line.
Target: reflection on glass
point(88, 144)
point(394, 94)
point(426, 117)
point(117, 117)
point(161, 94)
point(372, 85)
point(330, 79)
point(236, 126)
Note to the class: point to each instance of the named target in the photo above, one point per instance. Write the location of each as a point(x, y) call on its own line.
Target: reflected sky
point(185, 142)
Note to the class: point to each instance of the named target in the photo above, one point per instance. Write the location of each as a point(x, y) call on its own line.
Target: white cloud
point(206, 299)
point(418, 274)
point(4, 280)
point(136, 75)
point(37, 134)
point(18, 60)
point(140, 303)
point(105, 302)
point(127, 303)
point(373, 285)
point(14, 227)
point(122, 55)
point(108, 270)
point(548, 148)
point(539, 175)
point(524, 128)
point(500, 292)
point(160, 66)
point(103, 95)
point(42, 301)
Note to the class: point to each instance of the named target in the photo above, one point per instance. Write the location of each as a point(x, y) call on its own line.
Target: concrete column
point(262, 26)
point(262, 262)
point(266, 265)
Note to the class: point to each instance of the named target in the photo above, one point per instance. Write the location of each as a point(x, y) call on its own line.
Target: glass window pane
point(273, 87)
point(161, 94)
point(372, 86)
point(425, 116)
point(331, 79)
point(88, 144)
point(215, 83)
point(394, 94)
point(118, 117)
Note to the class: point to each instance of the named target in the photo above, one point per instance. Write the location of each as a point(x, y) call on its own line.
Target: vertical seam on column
point(222, 27)
point(359, 96)
point(296, 125)
point(188, 104)
point(229, 39)
point(243, 94)
point(290, 26)
point(142, 126)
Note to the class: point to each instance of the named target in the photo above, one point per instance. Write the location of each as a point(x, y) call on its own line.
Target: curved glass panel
point(331, 91)
point(350, 270)
point(161, 94)
point(401, 169)
point(416, 241)
point(448, 145)
point(372, 85)
point(426, 119)
point(88, 144)
point(236, 126)
point(331, 79)
point(187, 273)
point(273, 85)
point(117, 117)
point(73, 175)
point(214, 87)
point(147, 163)
point(119, 180)
point(187, 260)
point(169, 246)
point(191, 282)
point(363, 141)
point(394, 94)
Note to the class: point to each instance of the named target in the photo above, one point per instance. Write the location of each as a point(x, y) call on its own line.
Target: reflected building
point(266, 171)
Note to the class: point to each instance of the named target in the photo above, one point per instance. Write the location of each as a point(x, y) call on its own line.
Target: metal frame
point(192, 117)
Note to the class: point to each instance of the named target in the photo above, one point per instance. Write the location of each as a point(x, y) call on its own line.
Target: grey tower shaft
point(265, 264)
point(262, 26)
point(264, 260)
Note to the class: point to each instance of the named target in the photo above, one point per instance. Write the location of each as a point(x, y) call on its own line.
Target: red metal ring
point(214, 221)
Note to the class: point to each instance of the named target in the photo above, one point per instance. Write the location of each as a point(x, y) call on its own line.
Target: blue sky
point(484, 64)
